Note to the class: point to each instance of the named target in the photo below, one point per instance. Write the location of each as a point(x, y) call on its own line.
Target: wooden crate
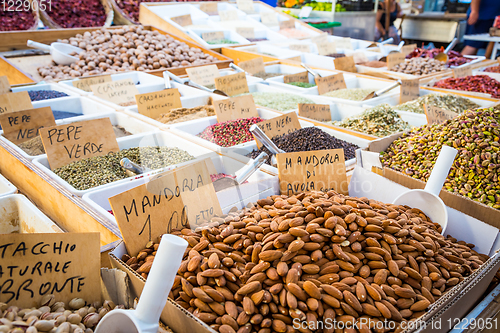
point(14, 74)
point(147, 16)
point(70, 212)
point(17, 40)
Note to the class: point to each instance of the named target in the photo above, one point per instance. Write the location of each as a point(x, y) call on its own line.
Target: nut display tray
point(6, 187)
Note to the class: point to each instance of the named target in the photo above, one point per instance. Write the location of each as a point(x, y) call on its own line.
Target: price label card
point(436, 115)
point(235, 108)
point(17, 101)
point(344, 43)
point(407, 49)
point(209, 7)
point(156, 103)
point(410, 90)
point(305, 11)
point(299, 77)
point(21, 126)
point(269, 18)
point(77, 141)
point(212, 36)
point(330, 83)
point(288, 24)
point(183, 20)
point(66, 265)
point(246, 32)
point(323, 38)
point(359, 57)
point(394, 59)
point(319, 170)
point(4, 85)
point(184, 197)
point(118, 92)
point(285, 124)
point(326, 48)
point(234, 84)
point(300, 47)
point(346, 64)
point(319, 112)
point(462, 71)
point(84, 84)
point(204, 75)
point(253, 66)
point(245, 5)
point(228, 15)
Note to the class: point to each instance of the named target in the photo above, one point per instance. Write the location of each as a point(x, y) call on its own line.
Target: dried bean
point(477, 83)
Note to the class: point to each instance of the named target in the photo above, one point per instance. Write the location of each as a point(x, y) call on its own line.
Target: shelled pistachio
point(279, 101)
point(452, 103)
point(475, 172)
point(353, 94)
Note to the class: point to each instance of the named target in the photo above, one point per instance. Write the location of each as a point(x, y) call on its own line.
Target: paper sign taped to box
point(319, 170)
point(66, 265)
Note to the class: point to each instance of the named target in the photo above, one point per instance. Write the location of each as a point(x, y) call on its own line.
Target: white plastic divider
point(268, 49)
point(168, 11)
point(19, 215)
point(6, 187)
point(419, 119)
point(164, 139)
point(259, 183)
point(79, 105)
point(47, 86)
point(134, 126)
point(190, 130)
point(228, 34)
point(243, 22)
point(144, 82)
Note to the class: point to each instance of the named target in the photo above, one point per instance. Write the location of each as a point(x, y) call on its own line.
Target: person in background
point(480, 17)
point(394, 13)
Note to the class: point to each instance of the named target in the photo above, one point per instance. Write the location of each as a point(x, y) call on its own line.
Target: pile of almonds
point(314, 257)
point(129, 48)
point(54, 317)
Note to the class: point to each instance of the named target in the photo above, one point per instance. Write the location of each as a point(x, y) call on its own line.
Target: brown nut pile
point(125, 49)
point(420, 66)
point(315, 257)
point(54, 317)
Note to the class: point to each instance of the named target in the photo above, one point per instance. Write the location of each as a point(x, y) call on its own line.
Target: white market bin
point(242, 22)
point(419, 119)
point(190, 130)
point(278, 81)
point(168, 11)
point(197, 34)
point(19, 215)
point(144, 82)
point(47, 86)
point(164, 139)
point(260, 184)
point(273, 51)
point(134, 126)
point(79, 105)
point(6, 187)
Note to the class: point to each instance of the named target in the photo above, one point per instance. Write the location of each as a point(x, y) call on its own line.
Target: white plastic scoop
point(428, 200)
point(59, 51)
point(160, 280)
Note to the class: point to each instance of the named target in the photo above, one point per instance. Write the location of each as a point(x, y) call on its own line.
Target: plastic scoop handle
point(440, 170)
point(387, 41)
point(238, 69)
point(451, 45)
point(259, 134)
point(161, 278)
point(249, 169)
point(313, 73)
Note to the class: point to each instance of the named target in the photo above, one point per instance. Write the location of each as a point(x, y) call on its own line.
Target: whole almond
point(370, 310)
point(248, 305)
point(361, 292)
point(249, 288)
point(199, 293)
point(383, 310)
point(312, 290)
point(270, 255)
point(352, 301)
point(405, 292)
point(420, 305)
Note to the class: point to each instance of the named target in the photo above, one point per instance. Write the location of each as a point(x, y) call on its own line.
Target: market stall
point(226, 167)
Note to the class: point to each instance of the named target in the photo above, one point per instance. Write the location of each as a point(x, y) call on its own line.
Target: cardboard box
point(370, 159)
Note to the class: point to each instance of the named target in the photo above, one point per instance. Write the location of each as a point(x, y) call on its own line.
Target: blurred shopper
point(480, 17)
point(385, 28)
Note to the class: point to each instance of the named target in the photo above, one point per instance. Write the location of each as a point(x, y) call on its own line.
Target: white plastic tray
point(190, 129)
point(278, 81)
point(76, 104)
point(259, 182)
point(19, 215)
point(47, 86)
point(272, 50)
point(228, 34)
point(419, 119)
point(165, 139)
point(144, 82)
point(134, 126)
point(6, 187)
